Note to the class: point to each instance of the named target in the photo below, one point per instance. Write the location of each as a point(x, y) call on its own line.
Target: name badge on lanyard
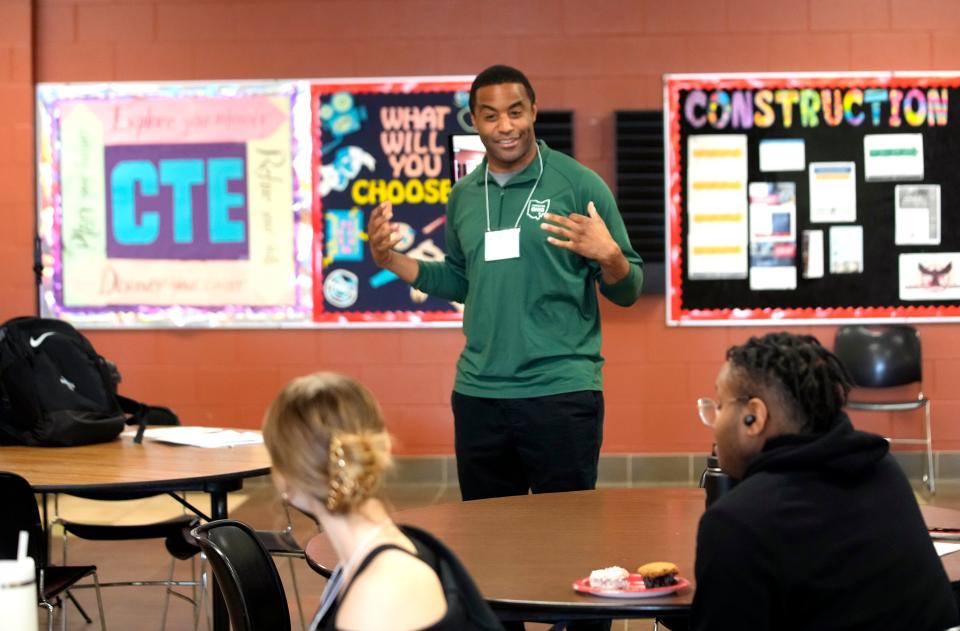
point(501, 244)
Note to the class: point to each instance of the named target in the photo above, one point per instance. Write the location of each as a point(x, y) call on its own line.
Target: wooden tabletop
point(525, 552)
point(121, 464)
point(937, 517)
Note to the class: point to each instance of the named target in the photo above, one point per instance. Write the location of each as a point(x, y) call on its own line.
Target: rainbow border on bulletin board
point(676, 315)
point(301, 286)
point(279, 105)
point(351, 98)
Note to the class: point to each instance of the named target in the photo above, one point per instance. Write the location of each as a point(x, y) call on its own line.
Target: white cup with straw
point(18, 589)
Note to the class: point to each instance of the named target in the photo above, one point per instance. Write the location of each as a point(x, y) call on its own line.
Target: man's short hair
point(810, 382)
point(496, 75)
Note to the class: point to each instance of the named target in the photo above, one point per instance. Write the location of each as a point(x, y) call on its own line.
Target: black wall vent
point(639, 173)
point(556, 129)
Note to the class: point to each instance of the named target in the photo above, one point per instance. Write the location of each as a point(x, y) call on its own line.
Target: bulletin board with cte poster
point(812, 198)
point(382, 140)
point(237, 204)
point(174, 204)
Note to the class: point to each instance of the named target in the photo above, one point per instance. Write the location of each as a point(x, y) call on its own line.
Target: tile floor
point(140, 608)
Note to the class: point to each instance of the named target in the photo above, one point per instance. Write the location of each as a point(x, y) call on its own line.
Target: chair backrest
point(247, 577)
point(880, 356)
point(20, 513)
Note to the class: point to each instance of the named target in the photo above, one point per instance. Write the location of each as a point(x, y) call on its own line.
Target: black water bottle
point(714, 481)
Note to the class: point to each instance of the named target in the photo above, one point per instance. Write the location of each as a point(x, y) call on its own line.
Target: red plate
point(634, 589)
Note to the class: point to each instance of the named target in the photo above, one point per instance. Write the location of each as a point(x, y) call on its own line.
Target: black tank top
point(454, 619)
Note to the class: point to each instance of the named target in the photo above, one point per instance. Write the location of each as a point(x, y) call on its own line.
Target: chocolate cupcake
point(658, 574)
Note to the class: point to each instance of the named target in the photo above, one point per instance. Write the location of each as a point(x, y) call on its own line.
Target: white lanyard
point(335, 582)
point(486, 192)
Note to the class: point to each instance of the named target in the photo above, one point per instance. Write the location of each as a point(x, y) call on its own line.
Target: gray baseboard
point(946, 464)
point(615, 470)
point(626, 470)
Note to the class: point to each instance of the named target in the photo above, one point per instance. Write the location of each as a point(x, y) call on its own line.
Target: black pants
point(512, 446)
point(540, 444)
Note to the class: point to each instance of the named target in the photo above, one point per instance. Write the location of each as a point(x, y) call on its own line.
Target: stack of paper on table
point(946, 547)
point(207, 437)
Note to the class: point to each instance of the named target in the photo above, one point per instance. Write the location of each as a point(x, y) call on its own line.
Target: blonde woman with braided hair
point(330, 453)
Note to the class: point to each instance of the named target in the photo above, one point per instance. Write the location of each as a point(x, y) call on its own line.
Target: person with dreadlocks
point(823, 530)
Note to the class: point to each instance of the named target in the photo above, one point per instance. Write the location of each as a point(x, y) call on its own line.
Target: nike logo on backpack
point(37, 341)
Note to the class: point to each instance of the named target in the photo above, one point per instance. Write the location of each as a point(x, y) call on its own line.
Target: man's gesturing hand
point(382, 234)
point(587, 235)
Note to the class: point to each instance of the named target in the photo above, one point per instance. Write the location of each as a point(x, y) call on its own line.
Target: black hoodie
point(822, 533)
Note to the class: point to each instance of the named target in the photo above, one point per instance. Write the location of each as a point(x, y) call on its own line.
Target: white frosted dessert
point(609, 578)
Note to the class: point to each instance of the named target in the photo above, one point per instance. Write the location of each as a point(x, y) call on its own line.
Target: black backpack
point(55, 389)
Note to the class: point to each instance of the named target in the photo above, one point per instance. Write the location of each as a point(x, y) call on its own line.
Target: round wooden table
point(526, 551)
point(937, 517)
point(123, 466)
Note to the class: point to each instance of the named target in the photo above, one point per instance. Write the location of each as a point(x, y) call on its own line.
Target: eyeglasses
point(708, 409)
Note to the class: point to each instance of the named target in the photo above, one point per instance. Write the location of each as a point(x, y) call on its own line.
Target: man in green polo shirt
point(530, 236)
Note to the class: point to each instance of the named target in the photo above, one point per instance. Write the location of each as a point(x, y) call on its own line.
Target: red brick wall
point(16, 158)
point(591, 57)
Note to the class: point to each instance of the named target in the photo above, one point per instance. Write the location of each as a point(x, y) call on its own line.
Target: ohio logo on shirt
point(537, 208)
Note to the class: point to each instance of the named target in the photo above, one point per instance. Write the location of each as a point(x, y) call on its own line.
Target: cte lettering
point(133, 179)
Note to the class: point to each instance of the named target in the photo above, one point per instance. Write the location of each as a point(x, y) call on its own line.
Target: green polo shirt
point(532, 324)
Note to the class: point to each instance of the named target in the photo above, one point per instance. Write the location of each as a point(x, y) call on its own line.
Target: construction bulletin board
point(812, 198)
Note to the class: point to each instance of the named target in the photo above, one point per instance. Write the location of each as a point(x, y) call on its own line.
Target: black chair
point(179, 543)
point(887, 356)
point(246, 575)
point(315, 565)
point(22, 513)
point(174, 532)
point(282, 543)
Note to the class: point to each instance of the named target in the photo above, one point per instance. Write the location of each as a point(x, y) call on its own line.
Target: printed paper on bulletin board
point(381, 140)
point(812, 198)
point(175, 204)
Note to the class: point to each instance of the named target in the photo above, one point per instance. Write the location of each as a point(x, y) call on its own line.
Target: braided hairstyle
point(810, 381)
point(325, 435)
